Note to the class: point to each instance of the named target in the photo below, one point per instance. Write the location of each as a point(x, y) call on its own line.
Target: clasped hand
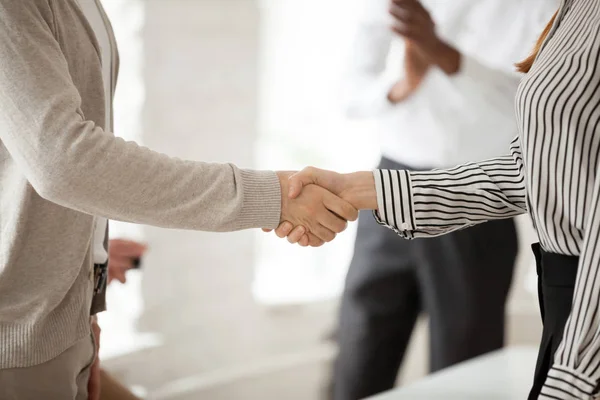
point(317, 204)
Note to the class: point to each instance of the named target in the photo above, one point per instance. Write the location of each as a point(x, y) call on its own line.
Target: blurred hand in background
point(123, 255)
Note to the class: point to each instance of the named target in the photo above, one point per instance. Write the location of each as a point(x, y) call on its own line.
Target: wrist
point(360, 190)
point(446, 57)
point(284, 177)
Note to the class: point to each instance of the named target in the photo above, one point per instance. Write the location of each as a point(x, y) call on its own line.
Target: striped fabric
point(551, 173)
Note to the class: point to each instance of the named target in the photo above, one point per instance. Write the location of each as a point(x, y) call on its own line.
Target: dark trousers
point(461, 280)
point(556, 284)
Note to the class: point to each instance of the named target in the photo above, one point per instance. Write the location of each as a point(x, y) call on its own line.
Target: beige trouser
point(62, 378)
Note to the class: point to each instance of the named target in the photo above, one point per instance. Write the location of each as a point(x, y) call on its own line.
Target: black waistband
point(555, 269)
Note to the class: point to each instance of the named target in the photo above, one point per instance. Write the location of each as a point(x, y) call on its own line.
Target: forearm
point(119, 180)
point(431, 203)
point(361, 190)
point(75, 164)
point(447, 58)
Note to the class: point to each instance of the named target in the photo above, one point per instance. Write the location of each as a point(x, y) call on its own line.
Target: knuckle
point(349, 211)
point(344, 226)
point(280, 234)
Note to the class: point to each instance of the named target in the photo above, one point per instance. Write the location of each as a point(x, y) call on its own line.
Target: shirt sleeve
point(432, 203)
point(74, 163)
point(367, 83)
point(575, 373)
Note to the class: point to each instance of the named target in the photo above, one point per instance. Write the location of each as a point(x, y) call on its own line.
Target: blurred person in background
point(439, 101)
point(64, 174)
point(551, 173)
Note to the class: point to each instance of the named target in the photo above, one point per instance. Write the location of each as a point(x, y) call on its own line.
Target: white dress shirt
point(449, 119)
point(94, 15)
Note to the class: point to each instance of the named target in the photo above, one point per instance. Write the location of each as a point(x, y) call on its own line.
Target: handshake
point(316, 204)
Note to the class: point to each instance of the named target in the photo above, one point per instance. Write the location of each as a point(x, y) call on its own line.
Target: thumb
point(300, 179)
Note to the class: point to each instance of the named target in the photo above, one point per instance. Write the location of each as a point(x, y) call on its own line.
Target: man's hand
point(414, 23)
point(357, 189)
point(94, 381)
point(316, 211)
point(122, 256)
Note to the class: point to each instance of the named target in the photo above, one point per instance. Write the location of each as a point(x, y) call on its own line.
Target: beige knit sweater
point(59, 168)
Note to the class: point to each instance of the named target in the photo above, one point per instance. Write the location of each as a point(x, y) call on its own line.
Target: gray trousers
point(461, 280)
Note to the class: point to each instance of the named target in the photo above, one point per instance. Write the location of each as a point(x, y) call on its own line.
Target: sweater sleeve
point(432, 203)
point(74, 163)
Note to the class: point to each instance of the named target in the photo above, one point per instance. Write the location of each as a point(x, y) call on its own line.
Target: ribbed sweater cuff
point(261, 207)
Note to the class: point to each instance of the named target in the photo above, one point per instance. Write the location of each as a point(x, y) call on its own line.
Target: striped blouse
point(551, 172)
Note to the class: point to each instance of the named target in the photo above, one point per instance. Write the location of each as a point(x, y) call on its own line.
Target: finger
point(117, 273)
point(403, 14)
point(420, 9)
point(120, 263)
point(284, 229)
point(304, 241)
point(340, 207)
point(267, 230)
point(411, 16)
point(111, 276)
point(323, 232)
point(127, 248)
point(407, 32)
point(314, 241)
point(296, 234)
point(405, 3)
point(300, 179)
point(332, 222)
point(124, 244)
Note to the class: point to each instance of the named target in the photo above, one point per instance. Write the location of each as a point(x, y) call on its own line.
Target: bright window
point(304, 47)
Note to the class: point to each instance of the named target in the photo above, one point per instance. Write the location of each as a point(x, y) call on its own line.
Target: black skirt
point(556, 284)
